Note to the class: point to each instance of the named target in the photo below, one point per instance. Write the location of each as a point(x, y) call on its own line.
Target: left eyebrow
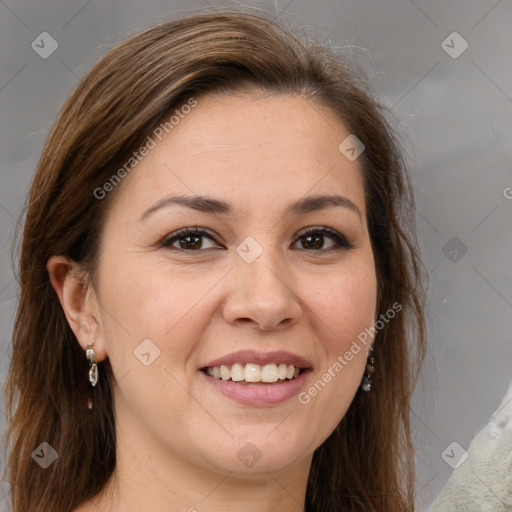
point(218, 207)
point(316, 203)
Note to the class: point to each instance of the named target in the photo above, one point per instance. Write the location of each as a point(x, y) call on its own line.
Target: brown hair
point(367, 463)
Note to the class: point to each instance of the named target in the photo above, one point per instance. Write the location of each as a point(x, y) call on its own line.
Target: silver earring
point(93, 368)
point(366, 383)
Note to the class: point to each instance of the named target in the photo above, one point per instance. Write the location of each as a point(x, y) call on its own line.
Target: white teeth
point(225, 372)
point(237, 372)
point(252, 372)
point(269, 373)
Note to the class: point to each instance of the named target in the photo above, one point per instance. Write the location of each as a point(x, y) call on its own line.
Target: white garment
point(483, 482)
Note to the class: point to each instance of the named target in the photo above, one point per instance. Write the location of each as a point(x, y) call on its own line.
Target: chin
point(267, 450)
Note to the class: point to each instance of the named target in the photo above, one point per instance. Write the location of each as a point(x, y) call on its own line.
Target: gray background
point(456, 116)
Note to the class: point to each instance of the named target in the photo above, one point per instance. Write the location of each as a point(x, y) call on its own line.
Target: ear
point(79, 302)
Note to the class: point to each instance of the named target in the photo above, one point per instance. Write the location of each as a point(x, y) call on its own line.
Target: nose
point(262, 294)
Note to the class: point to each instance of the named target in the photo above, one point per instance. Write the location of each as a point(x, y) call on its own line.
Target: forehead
point(248, 147)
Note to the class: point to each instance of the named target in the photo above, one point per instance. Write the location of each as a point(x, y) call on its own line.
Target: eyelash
point(340, 241)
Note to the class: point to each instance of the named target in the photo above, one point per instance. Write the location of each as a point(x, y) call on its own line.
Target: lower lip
point(258, 395)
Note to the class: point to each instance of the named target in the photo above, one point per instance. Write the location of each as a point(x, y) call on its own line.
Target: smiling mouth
point(254, 373)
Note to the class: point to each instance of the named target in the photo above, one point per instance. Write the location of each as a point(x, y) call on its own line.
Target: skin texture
point(178, 438)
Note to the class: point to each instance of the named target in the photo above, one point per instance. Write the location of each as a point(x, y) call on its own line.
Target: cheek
point(345, 305)
point(149, 328)
point(152, 302)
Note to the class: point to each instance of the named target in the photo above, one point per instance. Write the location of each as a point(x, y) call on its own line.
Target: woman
point(221, 302)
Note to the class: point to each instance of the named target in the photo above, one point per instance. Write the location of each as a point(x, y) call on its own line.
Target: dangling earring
point(93, 368)
point(366, 383)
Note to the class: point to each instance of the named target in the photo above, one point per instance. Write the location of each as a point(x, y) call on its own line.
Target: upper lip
point(253, 356)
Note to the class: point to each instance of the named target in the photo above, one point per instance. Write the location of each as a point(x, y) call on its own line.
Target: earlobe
point(77, 299)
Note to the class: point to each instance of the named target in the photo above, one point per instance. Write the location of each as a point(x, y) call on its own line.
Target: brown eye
point(314, 239)
point(188, 239)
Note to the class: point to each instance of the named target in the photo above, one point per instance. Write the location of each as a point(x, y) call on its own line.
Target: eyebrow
point(218, 207)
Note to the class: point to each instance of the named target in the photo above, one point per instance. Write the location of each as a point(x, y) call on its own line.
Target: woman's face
point(248, 292)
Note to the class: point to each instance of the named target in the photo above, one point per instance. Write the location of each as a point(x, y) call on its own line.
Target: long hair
point(367, 463)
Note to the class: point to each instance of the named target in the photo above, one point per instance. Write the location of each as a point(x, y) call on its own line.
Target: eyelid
point(165, 242)
point(341, 241)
